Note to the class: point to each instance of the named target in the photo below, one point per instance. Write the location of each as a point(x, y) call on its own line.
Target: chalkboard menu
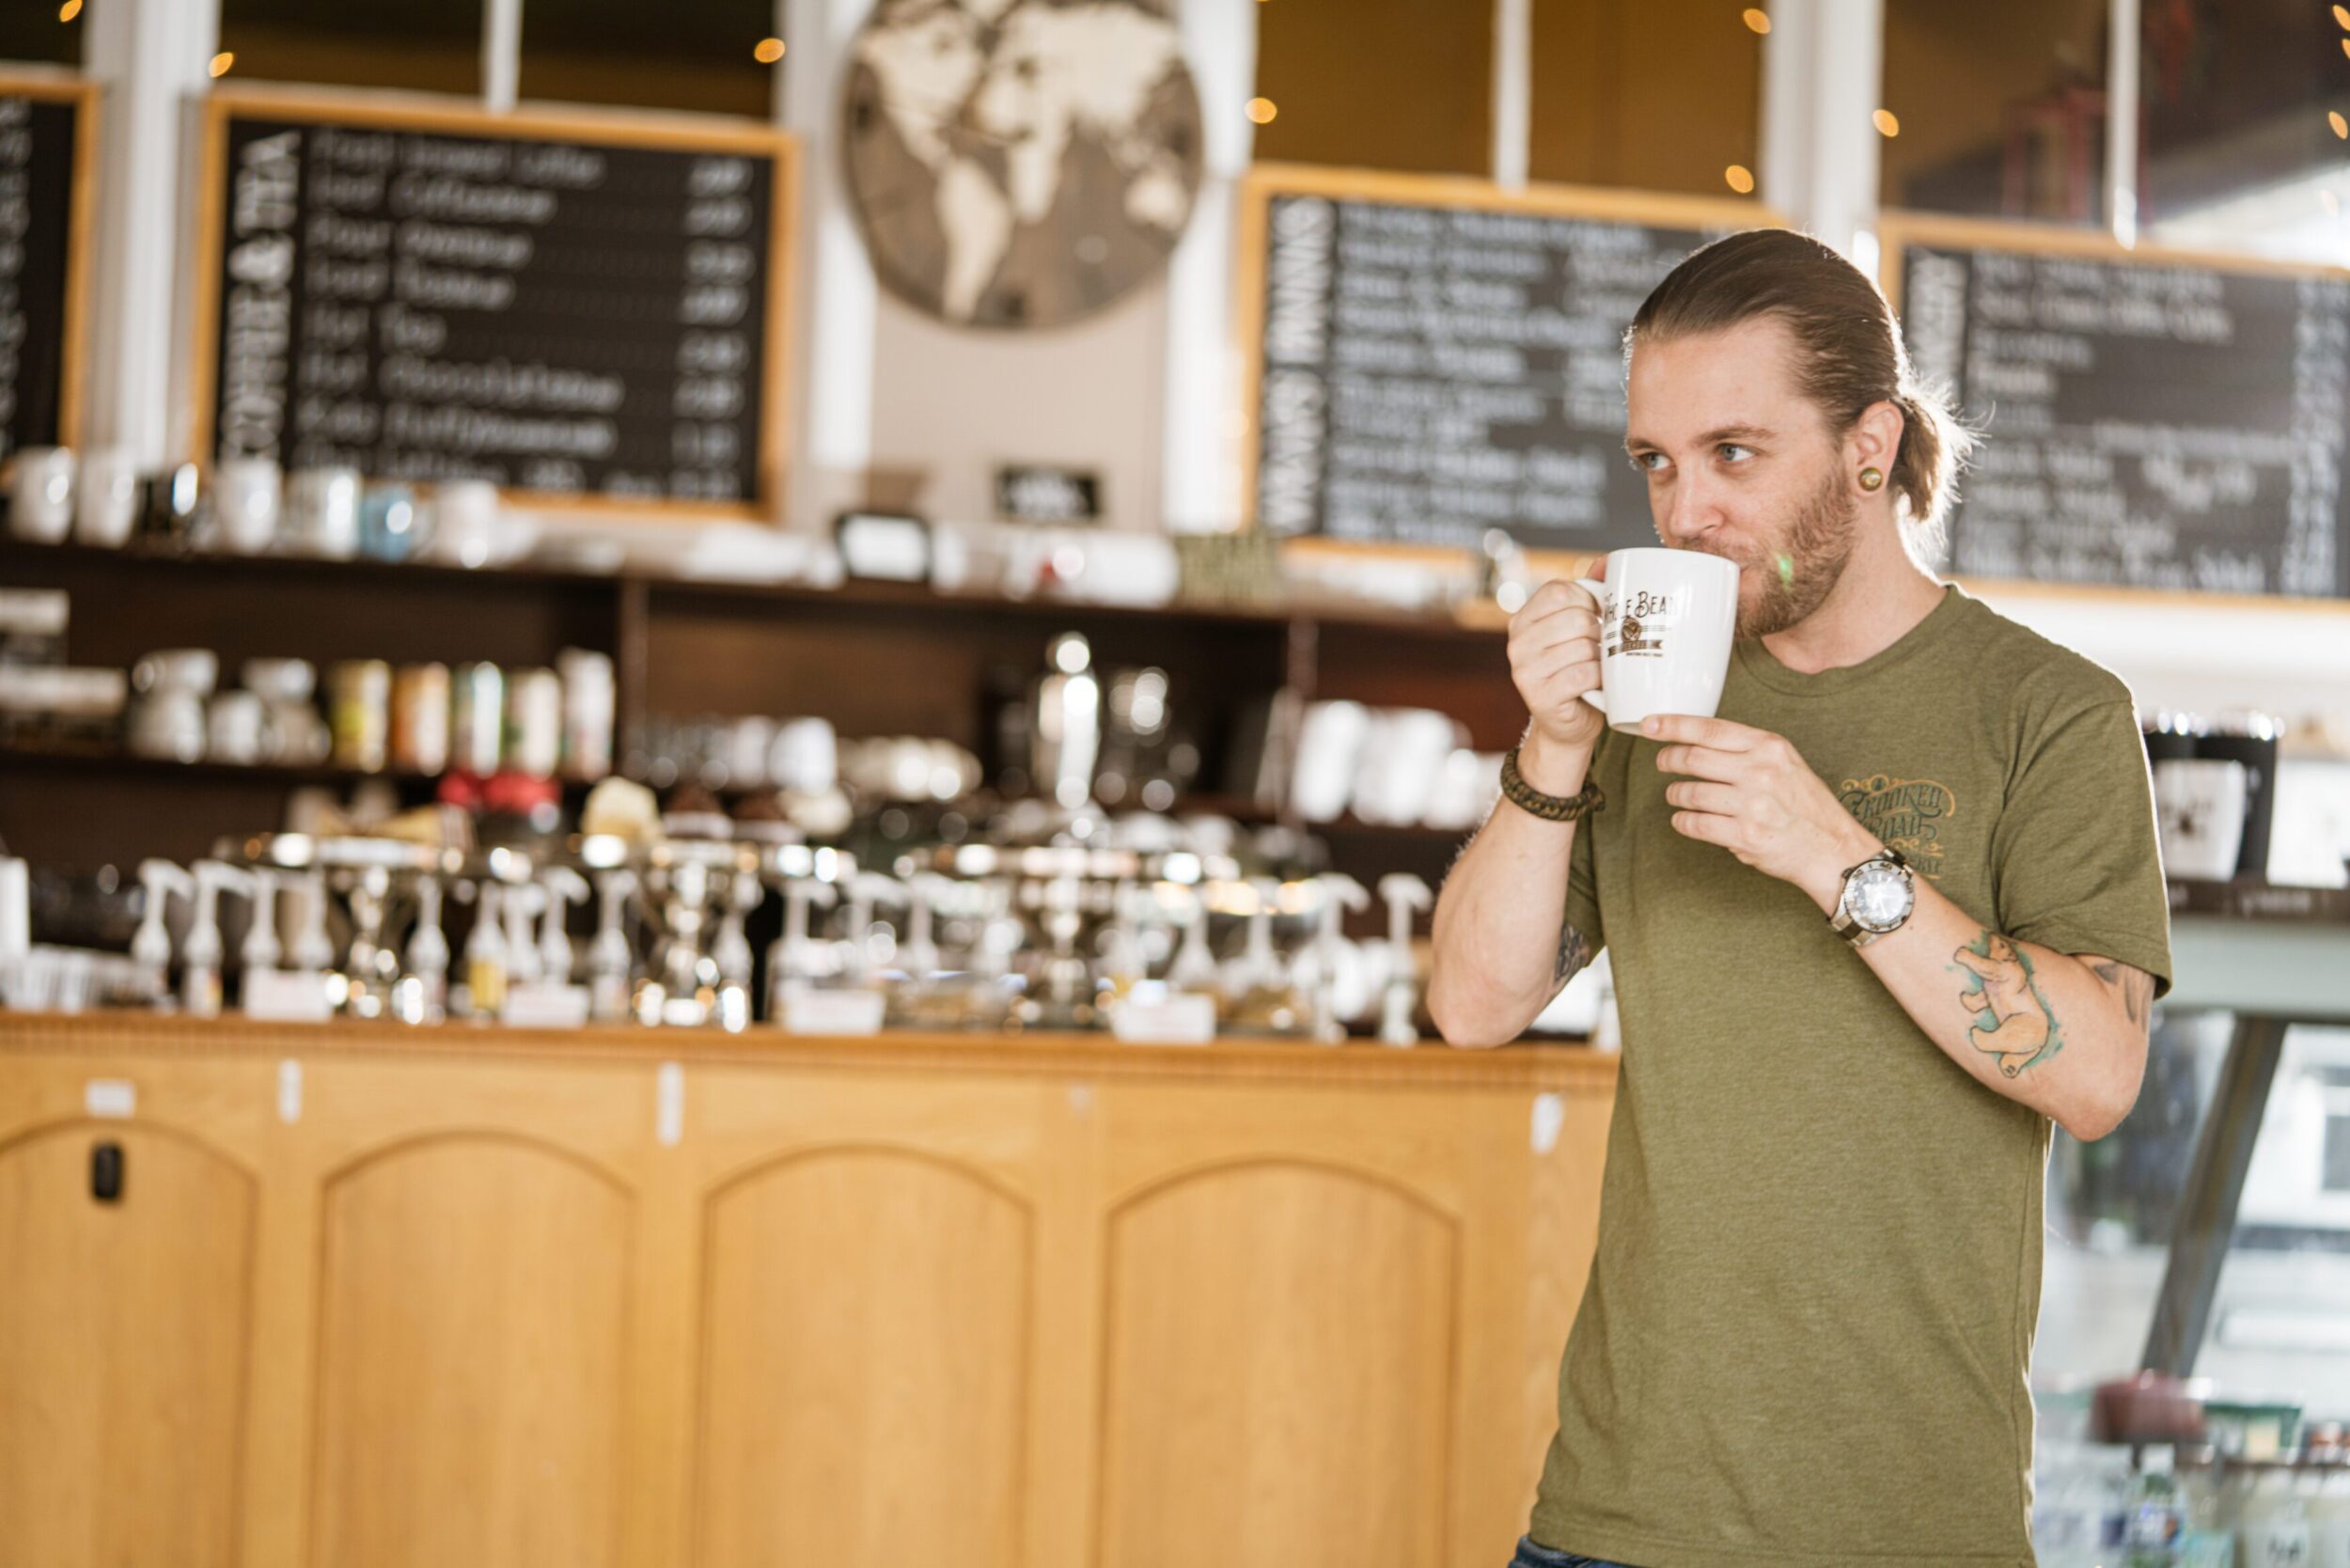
point(2150, 420)
point(46, 134)
point(1434, 358)
point(582, 309)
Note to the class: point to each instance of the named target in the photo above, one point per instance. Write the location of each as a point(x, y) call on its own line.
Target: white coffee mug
point(248, 496)
point(322, 512)
point(108, 506)
point(41, 504)
point(1668, 619)
point(2199, 806)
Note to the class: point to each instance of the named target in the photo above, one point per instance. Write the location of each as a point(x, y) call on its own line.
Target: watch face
point(1879, 897)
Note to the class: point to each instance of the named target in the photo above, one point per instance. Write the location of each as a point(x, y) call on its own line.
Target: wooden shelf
point(855, 595)
point(2254, 899)
point(98, 759)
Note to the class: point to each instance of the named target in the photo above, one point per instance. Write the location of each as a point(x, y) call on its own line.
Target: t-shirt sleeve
point(2079, 860)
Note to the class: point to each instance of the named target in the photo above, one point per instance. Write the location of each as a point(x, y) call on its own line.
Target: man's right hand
point(1554, 659)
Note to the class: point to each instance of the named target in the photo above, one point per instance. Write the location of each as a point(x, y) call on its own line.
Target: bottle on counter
point(534, 728)
point(2276, 1529)
point(2207, 1539)
point(420, 719)
point(2155, 1521)
point(2326, 1496)
point(589, 707)
point(477, 719)
point(485, 957)
point(359, 709)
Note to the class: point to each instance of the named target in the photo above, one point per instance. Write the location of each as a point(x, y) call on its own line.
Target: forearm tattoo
point(1574, 952)
point(2012, 1021)
point(2137, 987)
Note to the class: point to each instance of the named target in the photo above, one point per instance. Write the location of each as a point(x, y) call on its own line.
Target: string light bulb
point(1886, 122)
point(2341, 14)
point(70, 9)
point(222, 61)
point(768, 52)
point(1261, 110)
point(1740, 179)
point(1758, 21)
point(2341, 126)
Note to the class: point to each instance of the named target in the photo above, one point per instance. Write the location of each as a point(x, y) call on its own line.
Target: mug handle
point(1597, 696)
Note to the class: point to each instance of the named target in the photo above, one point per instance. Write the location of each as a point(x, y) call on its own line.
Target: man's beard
point(1798, 576)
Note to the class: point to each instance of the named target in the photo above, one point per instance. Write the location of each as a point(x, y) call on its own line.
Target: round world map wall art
point(1020, 162)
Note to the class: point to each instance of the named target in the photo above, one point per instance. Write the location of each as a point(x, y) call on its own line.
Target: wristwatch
point(1878, 896)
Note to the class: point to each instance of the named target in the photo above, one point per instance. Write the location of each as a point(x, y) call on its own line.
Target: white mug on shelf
point(2199, 806)
point(322, 512)
point(41, 499)
point(248, 496)
point(1668, 619)
point(107, 506)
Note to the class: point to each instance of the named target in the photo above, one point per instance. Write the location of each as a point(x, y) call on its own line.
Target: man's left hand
point(1752, 793)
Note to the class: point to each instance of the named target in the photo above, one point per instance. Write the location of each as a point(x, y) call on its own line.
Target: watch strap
point(1551, 808)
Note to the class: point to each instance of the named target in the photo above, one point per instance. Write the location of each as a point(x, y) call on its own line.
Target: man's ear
point(1875, 439)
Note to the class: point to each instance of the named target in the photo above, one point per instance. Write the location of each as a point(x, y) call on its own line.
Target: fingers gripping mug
point(1666, 619)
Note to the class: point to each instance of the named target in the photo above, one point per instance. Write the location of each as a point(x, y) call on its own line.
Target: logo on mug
point(1647, 616)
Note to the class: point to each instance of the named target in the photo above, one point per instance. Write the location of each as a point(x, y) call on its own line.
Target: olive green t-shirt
point(1808, 1329)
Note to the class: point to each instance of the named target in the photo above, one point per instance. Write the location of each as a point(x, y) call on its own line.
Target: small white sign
point(112, 1098)
point(668, 1116)
point(810, 1010)
point(289, 1092)
point(1550, 1120)
point(1179, 1018)
point(288, 996)
point(542, 1005)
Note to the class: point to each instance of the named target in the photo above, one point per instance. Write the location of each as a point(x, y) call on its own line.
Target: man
point(1874, 927)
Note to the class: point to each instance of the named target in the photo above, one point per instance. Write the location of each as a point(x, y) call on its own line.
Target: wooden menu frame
point(609, 129)
point(1897, 231)
point(83, 196)
point(1266, 180)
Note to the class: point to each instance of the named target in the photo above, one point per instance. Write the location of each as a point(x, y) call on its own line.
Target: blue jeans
point(1533, 1555)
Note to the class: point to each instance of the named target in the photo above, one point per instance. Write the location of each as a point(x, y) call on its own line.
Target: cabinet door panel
point(1280, 1370)
point(864, 1365)
point(471, 1312)
point(122, 1335)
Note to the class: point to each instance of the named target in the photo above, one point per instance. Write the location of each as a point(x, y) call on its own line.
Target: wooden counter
point(465, 1298)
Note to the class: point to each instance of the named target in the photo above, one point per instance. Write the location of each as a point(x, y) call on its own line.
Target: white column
point(154, 58)
point(2122, 26)
point(501, 53)
point(1784, 164)
point(833, 316)
point(1513, 91)
point(1824, 73)
point(1201, 488)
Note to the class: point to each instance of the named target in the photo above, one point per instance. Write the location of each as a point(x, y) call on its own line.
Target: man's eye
point(1733, 452)
point(1649, 462)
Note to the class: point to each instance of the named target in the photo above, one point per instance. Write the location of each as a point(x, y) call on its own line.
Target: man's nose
point(1688, 515)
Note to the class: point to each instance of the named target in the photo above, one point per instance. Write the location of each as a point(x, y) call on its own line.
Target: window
point(2247, 141)
point(1665, 95)
point(47, 32)
point(717, 57)
point(424, 46)
point(1376, 83)
point(2276, 1324)
point(1997, 108)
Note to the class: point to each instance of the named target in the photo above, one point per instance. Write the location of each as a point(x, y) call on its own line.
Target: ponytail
point(1925, 467)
